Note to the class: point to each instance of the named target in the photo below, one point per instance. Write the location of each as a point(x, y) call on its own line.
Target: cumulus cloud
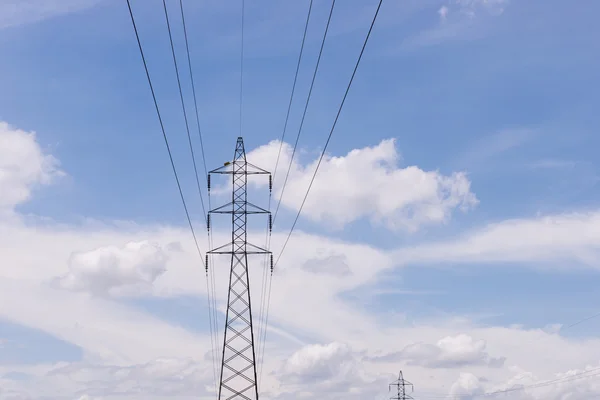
point(369, 183)
point(450, 352)
point(23, 165)
point(105, 268)
point(466, 387)
point(319, 362)
point(330, 370)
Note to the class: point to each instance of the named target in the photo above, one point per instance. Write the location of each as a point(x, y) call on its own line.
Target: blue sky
point(504, 91)
point(506, 76)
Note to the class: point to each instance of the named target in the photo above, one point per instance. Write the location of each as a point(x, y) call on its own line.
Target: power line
point(581, 375)
point(581, 321)
point(187, 48)
point(262, 335)
point(287, 117)
point(211, 275)
point(212, 335)
point(242, 65)
point(187, 126)
point(266, 313)
point(332, 129)
point(263, 296)
point(162, 127)
point(212, 302)
point(326, 144)
point(287, 175)
point(566, 379)
point(562, 329)
point(238, 377)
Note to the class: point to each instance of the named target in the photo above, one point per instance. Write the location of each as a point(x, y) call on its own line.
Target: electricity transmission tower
point(401, 385)
point(238, 378)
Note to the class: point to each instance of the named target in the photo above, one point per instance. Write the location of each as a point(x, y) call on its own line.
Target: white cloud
point(23, 165)
point(466, 387)
point(105, 268)
point(105, 330)
point(319, 362)
point(368, 183)
point(577, 384)
point(157, 379)
point(463, 349)
point(116, 334)
point(128, 353)
point(574, 384)
point(552, 239)
point(450, 352)
point(330, 370)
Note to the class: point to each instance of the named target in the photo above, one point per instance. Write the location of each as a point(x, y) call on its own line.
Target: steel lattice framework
point(238, 379)
point(401, 386)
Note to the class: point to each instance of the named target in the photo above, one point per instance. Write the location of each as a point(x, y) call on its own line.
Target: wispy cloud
point(553, 241)
point(458, 19)
point(481, 152)
point(20, 12)
point(553, 164)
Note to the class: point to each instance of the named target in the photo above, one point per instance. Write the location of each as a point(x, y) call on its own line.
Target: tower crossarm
point(250, 209)
point(229, 248)
point(401, 386)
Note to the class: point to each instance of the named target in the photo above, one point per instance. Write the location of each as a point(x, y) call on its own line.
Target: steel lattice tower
point(238, 378)
point(401, 385)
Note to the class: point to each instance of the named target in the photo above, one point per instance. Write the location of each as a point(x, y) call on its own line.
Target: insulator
point(206, 265)
point(270, 222)
point(271, 263)
point(270, 183)
point(208, 222)
point(208, 181)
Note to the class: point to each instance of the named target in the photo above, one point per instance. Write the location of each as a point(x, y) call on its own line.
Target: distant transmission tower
point(238, 366)
point(401, 386)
